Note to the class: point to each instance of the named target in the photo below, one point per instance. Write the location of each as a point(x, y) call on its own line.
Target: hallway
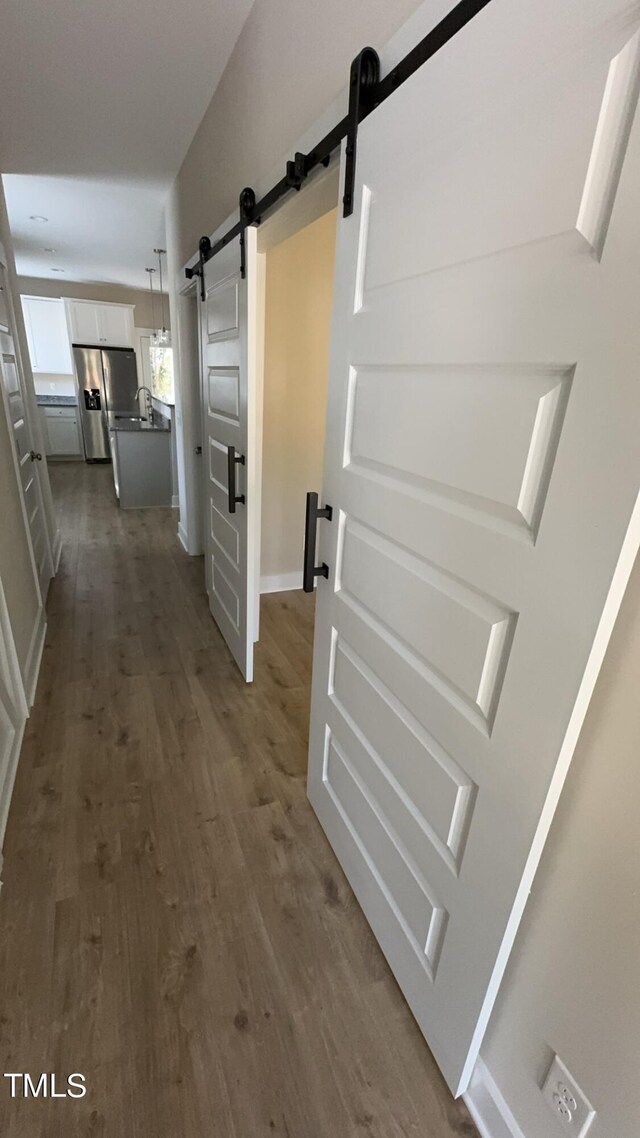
point(173, 923)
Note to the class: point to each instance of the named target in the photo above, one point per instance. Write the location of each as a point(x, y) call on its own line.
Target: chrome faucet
point(143, 387)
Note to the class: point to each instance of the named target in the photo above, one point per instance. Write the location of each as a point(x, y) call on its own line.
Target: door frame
point(14, 456)
point(9, 658)
point(292, 215)
point(187, 361)
point(17, 331)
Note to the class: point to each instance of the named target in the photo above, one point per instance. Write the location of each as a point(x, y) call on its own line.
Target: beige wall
point(572, 983)
point(23, 601)
point(115, 294)
point(299, 293)
point(290, 62)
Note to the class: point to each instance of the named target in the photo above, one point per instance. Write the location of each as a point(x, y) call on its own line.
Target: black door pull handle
point(232, 460)
point(311, 570)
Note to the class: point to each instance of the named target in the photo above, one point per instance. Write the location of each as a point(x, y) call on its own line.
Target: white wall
point(299, 296)
point(290, 62)
point(572, 983)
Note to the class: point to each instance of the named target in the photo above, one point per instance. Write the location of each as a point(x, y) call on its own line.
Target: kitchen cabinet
point(47, 335)
point(103, 325)
point(113, 447)
point(62, 432)
point(43, 428)
point(116, 325)
point(141, 466)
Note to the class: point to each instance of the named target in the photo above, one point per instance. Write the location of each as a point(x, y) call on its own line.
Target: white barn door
point(230, 407)
point(483, 466)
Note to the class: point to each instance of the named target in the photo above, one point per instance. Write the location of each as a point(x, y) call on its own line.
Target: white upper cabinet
point(105, 325)
point(115, 323)
point(83, 322)
point(47, 335)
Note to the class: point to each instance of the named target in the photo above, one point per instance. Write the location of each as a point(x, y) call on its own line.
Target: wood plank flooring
point(173, 922)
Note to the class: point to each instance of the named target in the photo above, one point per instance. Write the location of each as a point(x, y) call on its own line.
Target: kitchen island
point(141, 455)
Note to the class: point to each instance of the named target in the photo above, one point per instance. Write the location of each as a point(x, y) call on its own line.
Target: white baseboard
point(182, 537)
point(6, 788)
point(488, 1108)
point(57, 551)
point(175, 502)
point(34, 656)
point(281, 582)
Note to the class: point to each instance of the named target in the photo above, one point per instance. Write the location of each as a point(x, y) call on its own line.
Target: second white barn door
point(483, 466)
point(230, 456)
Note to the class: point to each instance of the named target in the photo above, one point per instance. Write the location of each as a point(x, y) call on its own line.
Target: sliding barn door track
point(366, 92)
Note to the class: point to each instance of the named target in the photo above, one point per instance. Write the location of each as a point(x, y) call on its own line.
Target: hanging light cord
point(160, 252)
point(153, 315)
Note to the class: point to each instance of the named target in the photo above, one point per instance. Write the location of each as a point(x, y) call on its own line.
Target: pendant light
point(163, 338)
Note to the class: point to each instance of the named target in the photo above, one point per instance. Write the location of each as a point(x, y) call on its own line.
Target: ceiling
point(101, 101)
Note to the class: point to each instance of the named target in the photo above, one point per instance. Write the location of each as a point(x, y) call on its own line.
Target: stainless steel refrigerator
point(107, 383)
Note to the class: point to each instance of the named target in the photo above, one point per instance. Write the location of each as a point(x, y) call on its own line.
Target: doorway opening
point(298, 302)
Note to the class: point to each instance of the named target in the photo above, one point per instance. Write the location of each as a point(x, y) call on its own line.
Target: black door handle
point(232, 460)
point(311, 570)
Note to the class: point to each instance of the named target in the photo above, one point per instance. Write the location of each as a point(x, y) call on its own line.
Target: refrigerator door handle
point(106, 385)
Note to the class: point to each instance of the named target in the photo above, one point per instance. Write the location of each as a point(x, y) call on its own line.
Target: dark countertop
point(159, 424)
point(56, 400)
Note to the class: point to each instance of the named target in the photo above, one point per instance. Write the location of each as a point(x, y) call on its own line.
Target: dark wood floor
point(173, 923)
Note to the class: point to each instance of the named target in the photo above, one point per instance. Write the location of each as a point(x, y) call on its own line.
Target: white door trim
point(23, 506)
point(10, 667)
point(488, 1107)
point(34, 655)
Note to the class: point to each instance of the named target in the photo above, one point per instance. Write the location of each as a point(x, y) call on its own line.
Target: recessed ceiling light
point(37, 217)
point(49, 250)
point(57, 270)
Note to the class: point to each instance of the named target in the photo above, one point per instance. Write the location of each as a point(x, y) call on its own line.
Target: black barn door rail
point(366, 91)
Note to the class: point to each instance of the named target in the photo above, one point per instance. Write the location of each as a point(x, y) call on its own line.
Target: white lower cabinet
point(62, 432)
point(44, 428)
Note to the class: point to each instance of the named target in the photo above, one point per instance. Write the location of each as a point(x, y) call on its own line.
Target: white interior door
point(230, 409)
point(27, 457)
point(13, 713)
point(483, 466)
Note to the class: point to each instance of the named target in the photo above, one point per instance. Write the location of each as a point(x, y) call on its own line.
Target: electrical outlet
point(569, 1104)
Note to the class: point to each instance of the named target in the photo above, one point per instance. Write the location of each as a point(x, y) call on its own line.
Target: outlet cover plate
point(568, 1102)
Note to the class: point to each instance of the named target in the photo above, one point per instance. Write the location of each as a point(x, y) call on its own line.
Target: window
point(162, 385)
